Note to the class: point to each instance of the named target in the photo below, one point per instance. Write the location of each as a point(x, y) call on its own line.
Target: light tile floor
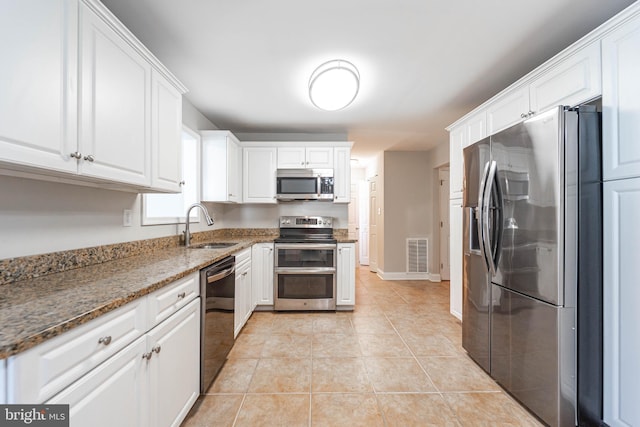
point(396, 360)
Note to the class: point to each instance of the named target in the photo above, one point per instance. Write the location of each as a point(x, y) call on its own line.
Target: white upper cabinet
point(107, 111)
point(305, 157)
point(38, 85)
point(166, 131)
point(574, 80)
point(342, 175)
point(221, 167)
point(621, 102)
point(508, 110)
point(115, 115)
point(476, 128)
point(457, 141)
point(259, 175)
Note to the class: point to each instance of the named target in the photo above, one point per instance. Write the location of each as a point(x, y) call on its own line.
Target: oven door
point(305, 289)
point(305, 276)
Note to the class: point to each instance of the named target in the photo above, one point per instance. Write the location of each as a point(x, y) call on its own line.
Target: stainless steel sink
point(214, 245)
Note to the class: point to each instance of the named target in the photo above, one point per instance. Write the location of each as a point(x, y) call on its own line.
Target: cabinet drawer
point(166, 301)
point(44, 370)
point(242, 256)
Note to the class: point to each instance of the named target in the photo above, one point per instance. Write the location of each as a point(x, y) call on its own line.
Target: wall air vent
point(417, 255)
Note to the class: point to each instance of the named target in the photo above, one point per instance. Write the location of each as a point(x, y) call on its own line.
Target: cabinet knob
point(89, 158)
point(301, 163)
point(76, 155)
point(182, 295)
point(523, 115)
point(105, 340)
point(181, 183)
point(147, 355)
point(156, 349)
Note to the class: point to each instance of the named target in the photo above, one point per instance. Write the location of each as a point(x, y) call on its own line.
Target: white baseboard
point(408, 276)
point(456, 314)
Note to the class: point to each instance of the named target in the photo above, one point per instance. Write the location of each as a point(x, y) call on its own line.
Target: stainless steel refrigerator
point(532, 280)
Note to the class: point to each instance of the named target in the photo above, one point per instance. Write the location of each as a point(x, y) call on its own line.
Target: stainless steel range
point(305, 264)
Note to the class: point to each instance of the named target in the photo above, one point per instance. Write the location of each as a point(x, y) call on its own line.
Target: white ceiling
point(423, 63)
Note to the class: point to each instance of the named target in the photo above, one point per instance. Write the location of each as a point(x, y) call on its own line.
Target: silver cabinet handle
point(182, 182)
point(182, 295)
point(89, 158)
point(156, 349)
point(523, 115)
point(105, 340)
point(147, 355)
point(76, 155)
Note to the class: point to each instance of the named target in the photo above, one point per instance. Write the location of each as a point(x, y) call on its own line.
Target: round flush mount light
point(334, 85)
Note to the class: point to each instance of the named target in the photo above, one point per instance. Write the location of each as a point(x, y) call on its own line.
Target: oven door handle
point(316, 270)
point(305, 246)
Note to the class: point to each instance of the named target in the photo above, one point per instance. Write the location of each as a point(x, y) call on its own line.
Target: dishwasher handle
point(213, 276)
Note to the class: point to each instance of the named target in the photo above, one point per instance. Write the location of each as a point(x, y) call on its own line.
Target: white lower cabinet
point(243, 303)
point(346, 275)
point(125, 368)
point(621, 233)
point(455, 257)
point(262, 273)
point(174, 377)
point(116, 393)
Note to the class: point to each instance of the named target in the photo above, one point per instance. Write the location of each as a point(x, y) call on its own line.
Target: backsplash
point(28, 267)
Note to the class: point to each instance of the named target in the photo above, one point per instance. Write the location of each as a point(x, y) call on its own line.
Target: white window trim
point(195, 213)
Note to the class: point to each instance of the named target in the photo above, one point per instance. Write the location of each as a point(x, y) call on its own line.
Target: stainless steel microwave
point(304, 184)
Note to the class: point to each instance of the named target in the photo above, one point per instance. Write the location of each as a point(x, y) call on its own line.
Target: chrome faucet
point(187, 234)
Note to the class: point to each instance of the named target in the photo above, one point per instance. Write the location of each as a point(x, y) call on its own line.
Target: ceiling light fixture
point(334, 85)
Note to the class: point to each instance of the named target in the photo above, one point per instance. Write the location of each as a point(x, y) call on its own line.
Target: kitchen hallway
point(396, 360)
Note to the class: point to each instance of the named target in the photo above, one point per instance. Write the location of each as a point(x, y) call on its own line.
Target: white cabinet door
point(262, 273)
point(342, 175)
point(508, 110)
point(455, 258)
point(291, 157)
point(457, 141)
point(305, 157)
point(621, 296)
point(574, 80)
point(319, 157)
point(174, 377)
point(3, 381)
point(476, 128)
point(621, 102)
point(116, 393)
point(115, 110)
point(166, 131)
point(221, 167)
point(259, 170)
point(346, 275)
point(243, 304)
point(38, 84)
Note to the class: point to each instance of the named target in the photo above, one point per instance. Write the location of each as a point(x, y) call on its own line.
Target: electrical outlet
point(127, 218)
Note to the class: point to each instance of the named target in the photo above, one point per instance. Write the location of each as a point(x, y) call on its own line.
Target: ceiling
point(423, 63)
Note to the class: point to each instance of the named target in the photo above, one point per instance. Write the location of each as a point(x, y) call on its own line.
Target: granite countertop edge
point(35, 310)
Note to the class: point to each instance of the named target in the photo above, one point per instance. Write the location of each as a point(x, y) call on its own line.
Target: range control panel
point(306, 222)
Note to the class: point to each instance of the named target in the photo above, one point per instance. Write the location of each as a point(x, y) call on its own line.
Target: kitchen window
point(171, 208)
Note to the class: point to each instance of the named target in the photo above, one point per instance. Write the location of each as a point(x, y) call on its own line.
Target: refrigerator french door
point(522, 191)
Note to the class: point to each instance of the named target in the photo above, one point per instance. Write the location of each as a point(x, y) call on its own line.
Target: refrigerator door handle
point(480, 211)
point(486, 201)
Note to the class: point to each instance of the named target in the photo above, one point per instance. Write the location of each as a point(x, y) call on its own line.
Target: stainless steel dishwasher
point(217, 292)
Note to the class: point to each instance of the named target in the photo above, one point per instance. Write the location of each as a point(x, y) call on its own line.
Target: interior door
point(363, 189)
point(444, 223)
point(373, 226)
